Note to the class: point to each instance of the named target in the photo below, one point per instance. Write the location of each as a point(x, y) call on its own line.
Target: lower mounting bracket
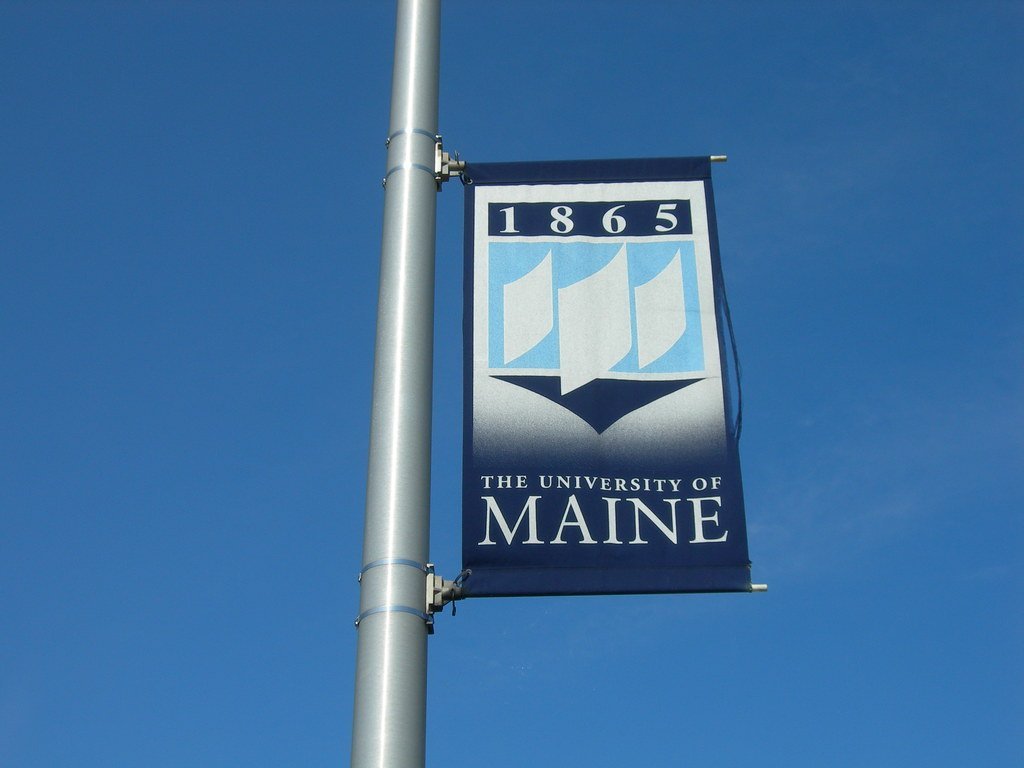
point(441, 591)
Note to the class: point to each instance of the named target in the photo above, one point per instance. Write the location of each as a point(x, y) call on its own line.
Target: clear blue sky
point(190, 215)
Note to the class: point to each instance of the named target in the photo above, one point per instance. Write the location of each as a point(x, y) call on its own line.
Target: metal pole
point(389, 722)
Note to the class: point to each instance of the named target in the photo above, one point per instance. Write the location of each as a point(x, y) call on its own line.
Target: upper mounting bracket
point(444, 165)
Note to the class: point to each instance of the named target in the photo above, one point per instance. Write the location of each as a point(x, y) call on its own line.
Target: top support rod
point(389, 719)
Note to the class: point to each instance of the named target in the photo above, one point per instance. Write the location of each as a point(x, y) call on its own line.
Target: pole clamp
point(393, 561)
point(445, 166)
point(439, 591)
point(397, 609)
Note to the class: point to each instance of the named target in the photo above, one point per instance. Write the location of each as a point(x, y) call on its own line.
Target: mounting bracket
point(440, 592)
point(444, 166)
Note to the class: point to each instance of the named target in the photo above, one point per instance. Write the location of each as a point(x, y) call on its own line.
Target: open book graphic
point(595, 318)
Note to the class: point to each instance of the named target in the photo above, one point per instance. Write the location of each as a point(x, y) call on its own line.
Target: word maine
point(613, 521)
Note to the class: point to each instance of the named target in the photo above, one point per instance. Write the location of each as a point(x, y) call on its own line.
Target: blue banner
point(600, 450)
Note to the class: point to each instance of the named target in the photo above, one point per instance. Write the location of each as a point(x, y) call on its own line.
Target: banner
point(600, 449)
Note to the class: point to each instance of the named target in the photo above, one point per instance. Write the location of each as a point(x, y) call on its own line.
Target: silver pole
point(389, 721)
